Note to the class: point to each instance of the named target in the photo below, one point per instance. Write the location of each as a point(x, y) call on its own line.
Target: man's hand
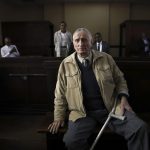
point(124, 105)
point(55, 125)
point(13, 50)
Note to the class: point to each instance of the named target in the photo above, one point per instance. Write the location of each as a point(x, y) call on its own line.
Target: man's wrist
point(123, 95)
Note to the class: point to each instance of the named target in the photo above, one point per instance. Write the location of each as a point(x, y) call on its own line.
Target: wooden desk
point(25, 84)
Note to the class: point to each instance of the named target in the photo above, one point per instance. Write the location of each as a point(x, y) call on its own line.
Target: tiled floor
point(19, 132)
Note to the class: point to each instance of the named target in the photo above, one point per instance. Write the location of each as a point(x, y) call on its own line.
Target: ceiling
point(71, 1)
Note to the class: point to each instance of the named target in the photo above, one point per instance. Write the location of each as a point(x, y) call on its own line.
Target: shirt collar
point(89, 58)
point(99, 42)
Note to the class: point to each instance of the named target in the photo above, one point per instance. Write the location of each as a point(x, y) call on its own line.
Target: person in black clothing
point(99, 44)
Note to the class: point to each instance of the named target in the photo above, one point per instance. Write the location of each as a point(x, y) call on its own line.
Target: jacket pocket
point(72, 80)
point(106, 74)
point(107, 81)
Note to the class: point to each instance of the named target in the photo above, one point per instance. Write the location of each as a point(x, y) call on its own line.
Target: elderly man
point(88, 90)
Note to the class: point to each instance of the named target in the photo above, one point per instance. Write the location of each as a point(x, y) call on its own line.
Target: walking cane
point(111, 115)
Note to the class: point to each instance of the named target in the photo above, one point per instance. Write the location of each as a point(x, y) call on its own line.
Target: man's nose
point(80, 42)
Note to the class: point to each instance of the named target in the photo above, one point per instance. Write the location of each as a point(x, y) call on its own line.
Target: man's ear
point(92, 41)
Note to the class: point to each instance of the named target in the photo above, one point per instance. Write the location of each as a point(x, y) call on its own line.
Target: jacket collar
point(71, 58)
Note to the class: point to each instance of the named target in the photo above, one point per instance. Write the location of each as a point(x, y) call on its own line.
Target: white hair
point(86, 31)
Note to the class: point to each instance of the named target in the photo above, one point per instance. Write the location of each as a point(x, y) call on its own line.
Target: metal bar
point(100, 132)
point(111, 115)
point(19, 74)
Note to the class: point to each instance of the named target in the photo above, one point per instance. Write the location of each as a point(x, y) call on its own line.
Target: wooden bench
point(108, 139)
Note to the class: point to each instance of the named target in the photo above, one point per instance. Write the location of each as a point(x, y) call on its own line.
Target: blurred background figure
point(9, 50)
point(144, 45)
point(99, 44)
point(62, 41)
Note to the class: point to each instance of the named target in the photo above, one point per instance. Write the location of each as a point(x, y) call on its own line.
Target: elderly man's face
point(82, 43)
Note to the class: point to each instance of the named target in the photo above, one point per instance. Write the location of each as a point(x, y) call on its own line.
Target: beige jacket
point(68, 94)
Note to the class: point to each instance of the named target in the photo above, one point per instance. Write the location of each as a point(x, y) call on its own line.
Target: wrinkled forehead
point(81, 35)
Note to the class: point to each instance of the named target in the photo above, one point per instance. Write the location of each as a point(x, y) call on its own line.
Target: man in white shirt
point(9, 50)
point(62, 41)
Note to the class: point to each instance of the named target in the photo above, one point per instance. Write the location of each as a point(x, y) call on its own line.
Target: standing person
point(62, 41)
point(99, 44)
point(89, 94)
point(9, 50)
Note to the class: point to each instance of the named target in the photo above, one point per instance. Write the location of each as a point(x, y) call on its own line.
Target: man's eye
point(84, 40)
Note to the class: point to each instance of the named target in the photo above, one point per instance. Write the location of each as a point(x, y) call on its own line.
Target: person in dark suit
point(99, 44)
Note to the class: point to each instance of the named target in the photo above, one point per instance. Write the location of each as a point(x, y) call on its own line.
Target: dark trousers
point(133, 129)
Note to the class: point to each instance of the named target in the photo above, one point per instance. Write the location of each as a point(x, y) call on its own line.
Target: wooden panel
point(33, 38)
point(137, 75)
point(30, 82)
point(24, 84)
point(52, 70)
point(131, 31)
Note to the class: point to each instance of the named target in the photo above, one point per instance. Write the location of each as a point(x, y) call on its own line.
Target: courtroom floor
point(19, 132)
